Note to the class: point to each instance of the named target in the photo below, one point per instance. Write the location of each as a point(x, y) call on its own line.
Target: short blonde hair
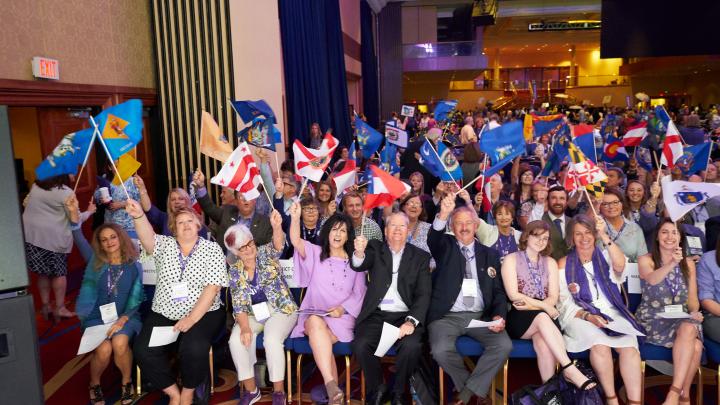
point(182, 211)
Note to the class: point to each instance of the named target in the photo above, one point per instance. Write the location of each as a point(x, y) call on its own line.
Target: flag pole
point(708, 161)
point(481, 176)
point(87, 155)
point(659, 166)
point(302, 188)
point(112, 162)
point(277, 163)
point(592, 206)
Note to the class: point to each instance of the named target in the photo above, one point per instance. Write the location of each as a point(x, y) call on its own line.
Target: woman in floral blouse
point(261, 301)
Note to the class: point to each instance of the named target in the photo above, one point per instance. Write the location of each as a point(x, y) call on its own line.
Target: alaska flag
point(443, 108)
point(388, 159)
point(261, 133)
point(249, 110)
point(502, 145)
point(585, 140)
point(368, 138)
point(694, 158)
point(121, 127)
point(67, 155)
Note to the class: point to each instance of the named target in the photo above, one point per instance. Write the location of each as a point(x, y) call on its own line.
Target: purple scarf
point(579, 287)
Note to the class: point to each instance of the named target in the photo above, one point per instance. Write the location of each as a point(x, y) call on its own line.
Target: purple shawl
point(576, 277)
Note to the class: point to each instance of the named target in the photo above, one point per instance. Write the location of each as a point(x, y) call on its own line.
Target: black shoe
point(379, 396)
point(398, 398)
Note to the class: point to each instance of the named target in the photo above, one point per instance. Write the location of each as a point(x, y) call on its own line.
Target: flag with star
point(240, 173)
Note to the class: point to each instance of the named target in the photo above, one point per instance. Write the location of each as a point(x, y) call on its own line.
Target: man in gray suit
point(556, 218)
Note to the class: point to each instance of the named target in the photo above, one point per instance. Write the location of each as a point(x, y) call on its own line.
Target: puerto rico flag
point(346, 177)
point(383, 189)
point(635, 134)
point(614, 150)
point(672, 147)
point(240, 173)
point(311, 163)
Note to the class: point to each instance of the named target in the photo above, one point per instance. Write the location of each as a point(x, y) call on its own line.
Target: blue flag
point(443, 108)
point(249, 110)
point(548, 124)
point(261, 133)
point(609, 125)
point(694, 158)
point(502, 145)
point(388, 159)
point(368, 138)
point(353, 155)
point(559, 154)
point(585, 141)
point(644, 157)
point(67, 155)
point(121, 127)
point(433, 162)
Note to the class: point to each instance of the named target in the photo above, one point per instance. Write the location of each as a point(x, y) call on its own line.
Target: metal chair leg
point(288, 375)
point(347, 380)
point(212, 373)
point(298, 364)
point(505, 381)
point(138, 383)
point(362, 387)
point(441, 381)
point(642, 381)
point(700, 386)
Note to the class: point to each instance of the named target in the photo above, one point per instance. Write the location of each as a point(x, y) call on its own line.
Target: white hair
point(237, 236)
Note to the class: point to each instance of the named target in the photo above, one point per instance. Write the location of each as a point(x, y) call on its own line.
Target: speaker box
point(20, 378)
point(13, 268)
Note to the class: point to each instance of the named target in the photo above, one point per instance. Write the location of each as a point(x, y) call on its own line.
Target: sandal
point(589, 382)
point(685, 400)
point(612, 398)
point(128, 394)
point(97, 394)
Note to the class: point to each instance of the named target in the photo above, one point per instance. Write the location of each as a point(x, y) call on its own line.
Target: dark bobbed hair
point(54, 182)
point(404, 201)
point(503, 204)
point(336, 218)
point(655, 248)
point(535, 228)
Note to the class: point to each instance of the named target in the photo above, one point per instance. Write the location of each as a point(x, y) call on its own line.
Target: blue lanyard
point(185, 260)
point(675, 286)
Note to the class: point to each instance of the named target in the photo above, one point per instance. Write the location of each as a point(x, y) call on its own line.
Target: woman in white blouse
point(190, 272)
point(592, 309)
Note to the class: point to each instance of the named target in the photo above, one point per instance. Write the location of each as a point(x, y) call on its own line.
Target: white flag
point(240, 173)
point(682, 196)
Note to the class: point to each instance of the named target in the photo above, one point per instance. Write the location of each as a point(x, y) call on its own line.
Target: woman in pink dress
point(333, 288)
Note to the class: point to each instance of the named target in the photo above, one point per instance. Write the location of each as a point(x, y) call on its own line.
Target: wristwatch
point(412, 320)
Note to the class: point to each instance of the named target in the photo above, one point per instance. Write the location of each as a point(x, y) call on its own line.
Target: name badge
point(470, 287)
point(180, 291)
point(108, 312)
point(261, 311)
point(673, 308)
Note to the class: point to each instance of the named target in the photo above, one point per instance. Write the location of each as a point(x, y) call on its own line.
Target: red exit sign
point(46, 68)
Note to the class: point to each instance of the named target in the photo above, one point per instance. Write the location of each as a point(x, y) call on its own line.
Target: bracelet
point(139, 216)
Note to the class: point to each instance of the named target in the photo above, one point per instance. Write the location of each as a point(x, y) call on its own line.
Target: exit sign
point(46, 68)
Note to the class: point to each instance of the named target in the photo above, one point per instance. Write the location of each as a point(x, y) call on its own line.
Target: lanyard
point(675, 286)
point(185, 260)
point(594, 281)
point(613, 235)
point(112, 284)
point(504, 244)
point(534, 270)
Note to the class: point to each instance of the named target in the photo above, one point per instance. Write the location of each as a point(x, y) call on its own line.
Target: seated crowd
point(540, 265)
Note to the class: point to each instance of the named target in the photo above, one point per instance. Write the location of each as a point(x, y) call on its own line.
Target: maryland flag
point(583, 172)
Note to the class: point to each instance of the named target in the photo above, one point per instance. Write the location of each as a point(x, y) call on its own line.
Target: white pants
point(277, 328)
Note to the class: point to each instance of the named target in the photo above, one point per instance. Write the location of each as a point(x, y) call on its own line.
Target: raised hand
point(275, 220)
point(199, 178)
point(295, 210)
point(133, 208)
point(360, 245)
point(447, 205)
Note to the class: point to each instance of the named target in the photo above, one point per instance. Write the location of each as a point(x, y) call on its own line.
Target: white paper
point(633, 278)
point(482, 324)
point(390, 335)
point(92, 338)
point(288, 271)
point(673, 315)
point(261, 311)
point(624, 328)
point(312, 311)
point(469, 287)
point(149, 271)
point(163, 335)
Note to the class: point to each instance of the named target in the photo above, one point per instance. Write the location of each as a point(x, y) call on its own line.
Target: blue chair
point(712, 349)
point(465, 346)
point(301, 347)
point(260, 345)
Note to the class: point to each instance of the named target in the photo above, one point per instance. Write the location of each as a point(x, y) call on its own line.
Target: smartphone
point(693, 246)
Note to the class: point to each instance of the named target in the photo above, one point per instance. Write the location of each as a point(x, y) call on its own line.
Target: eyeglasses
point(541, 239)
point(413, 204)
point(247, 246)
point(611, 203)
point(309, 208)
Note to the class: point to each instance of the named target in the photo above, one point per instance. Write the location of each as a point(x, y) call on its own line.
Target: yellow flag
point(528, 128)
point(212, 141)
point(127, 166)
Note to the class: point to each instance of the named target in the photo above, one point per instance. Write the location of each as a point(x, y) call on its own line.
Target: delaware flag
point(368, 138)
point(383, 189)
point(443, 108)
point(120, 127)
point(67, 155)
point(614, 150)
point(261, 133)
point(694, 158)
point(443, 164)
point(388, 159)
point(248, 110)
point(502, 145)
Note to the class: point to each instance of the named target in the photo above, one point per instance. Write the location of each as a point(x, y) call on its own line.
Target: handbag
point(558, 391)
point(424, 384)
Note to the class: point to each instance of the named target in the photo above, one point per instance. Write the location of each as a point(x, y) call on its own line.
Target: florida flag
point(311, 163)
point(346, 177)
point(672, 148)
point(383, 189)
point(240, 173)
point(635, 134)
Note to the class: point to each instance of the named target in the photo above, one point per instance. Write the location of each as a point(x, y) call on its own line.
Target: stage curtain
point(314, 63)
point(371, 98)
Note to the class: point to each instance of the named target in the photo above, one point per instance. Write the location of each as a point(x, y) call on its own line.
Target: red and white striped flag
point(346, 177)
point(672, 148)
point(311, 163)
point(240, 173)
point(635, 134)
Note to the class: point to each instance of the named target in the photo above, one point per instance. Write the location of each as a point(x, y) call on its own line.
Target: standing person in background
point(316, 135)
point(48, 241)
point(114, 207)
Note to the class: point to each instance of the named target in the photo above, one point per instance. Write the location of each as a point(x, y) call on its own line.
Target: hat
point(127, 166)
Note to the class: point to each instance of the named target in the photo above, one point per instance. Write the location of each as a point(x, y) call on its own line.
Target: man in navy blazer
point(466, 286)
